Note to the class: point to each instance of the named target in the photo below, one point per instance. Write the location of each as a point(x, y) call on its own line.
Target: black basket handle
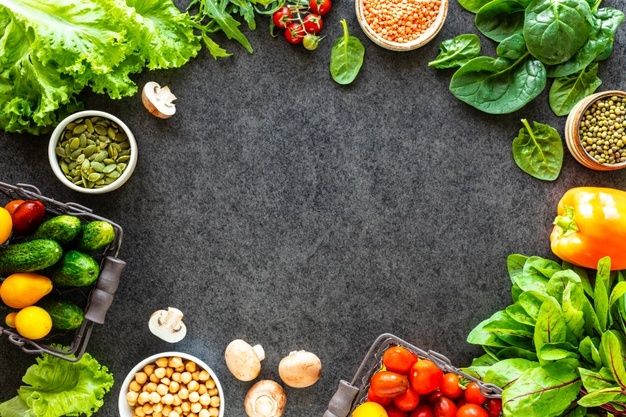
point(102, 296)
point(341, 403)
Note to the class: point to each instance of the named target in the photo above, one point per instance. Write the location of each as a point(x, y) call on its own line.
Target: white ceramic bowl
point(54, 162)
point(125, 409)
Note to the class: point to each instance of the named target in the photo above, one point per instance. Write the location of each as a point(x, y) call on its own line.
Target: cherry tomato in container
point(471, 410)
point(407, 401)
point(422, 410)
point(433, 396)
point(388, 384)
point(473, 395)
point(28, 215)
point(399, 359)
point(12, 205)
point(393, 411)
point(313, 23)
point(320, 7)
point(444, 407)
point(294, 33)
point(450, 386)
point(425, 376)
point(494, 407)
point(384, 401)
point(281, 17)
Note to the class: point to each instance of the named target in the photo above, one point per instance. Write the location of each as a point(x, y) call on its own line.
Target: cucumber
point(76, 270)
point(65, 315)
point(34, 255)
point(96, 235)
point(62, 229)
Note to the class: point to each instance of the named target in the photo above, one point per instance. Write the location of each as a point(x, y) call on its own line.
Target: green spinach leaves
point(456, 51)
point(569, 90)
point(538, 151)
point(346, 57)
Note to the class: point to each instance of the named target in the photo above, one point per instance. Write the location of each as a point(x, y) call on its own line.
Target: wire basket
point(351, 394)
point(96, 300)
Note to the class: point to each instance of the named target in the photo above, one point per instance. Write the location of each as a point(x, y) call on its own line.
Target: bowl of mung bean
point(595, 131)
point(171, 384)
point(401, 25)
point(92, 152)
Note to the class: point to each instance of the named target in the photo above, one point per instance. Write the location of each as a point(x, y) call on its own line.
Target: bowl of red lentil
point(401, 25)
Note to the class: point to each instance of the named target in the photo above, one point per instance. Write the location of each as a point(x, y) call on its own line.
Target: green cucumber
point(62, 229)
point(76, 270)
point(96, 235)
point(34, 255)
point(65, 315)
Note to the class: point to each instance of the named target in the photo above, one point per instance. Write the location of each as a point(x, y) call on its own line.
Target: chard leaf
point(601, 293)
point(513, 352)
point(531, 302)
point(517, 313)
point(482, 336)
point(611, 354)
point(572, 305)
point(590, 352)
point(539, 266)
point(515, 265)
point(594, 381)
point(506, 372)
point(558, 282)
point(618, 292)
point(550, 327)
point(601, 397)
point(557, 351)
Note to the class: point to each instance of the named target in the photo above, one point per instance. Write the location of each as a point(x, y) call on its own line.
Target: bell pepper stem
point(566, 222)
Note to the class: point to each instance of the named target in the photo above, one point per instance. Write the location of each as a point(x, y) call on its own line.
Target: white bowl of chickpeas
point(171, 384)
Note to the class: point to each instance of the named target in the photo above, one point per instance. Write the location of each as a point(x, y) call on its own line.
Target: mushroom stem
point(259, 351)
point(168, 325)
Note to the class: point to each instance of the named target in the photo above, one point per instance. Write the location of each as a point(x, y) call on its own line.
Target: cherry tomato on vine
point(313, 23)
point(399, 359)
point(473, 394)
point(425, 376)
point(310, 41)
point(444, 407)
point(281, 17)
point(388, 384)
point(407, 401)
point(384, 401)
point(494, 407)
point(294, 33)
point(471, 410)
point(320, 7)
point(450, 386)
point(395, 412)
point(422, 410)
point(13, 205)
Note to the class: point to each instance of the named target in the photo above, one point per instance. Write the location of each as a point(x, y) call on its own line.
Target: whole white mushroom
point(243, 360)
point(300, 369)
point(266, 398)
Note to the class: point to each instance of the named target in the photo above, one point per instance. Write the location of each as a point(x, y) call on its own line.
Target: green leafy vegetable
point(346, 57)
point(569, 90)
point(500, 19)
point(456, 51)
point(473, 5)
point(538, 151)
point(513, 47)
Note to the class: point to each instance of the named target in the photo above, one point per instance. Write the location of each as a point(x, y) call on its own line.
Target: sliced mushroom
point(158, 100)
point(243, 360)
point(300, 369)
point(168, 325)
point(265, 399)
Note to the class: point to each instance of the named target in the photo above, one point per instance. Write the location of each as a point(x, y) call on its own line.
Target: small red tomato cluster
point(26, 215)
point(302, 23)
point(413, 387)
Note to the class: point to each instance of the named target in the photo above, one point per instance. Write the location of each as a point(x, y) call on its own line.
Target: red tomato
point(320, 7)
point(422, 410)
point(450, 386)
point(28, 215)
point(445, 407)
point(313, 23)
point(461, 402)
point(473, 394)
point(12, 205)
point(407, 401)
point(433, 396)
point(281, 17)
point(394, 412)
point(384, 401)
point(494, 407)
point(399, 359)
point(425, 376)
point(471, 410)
point(388, 384)
point(294, 33)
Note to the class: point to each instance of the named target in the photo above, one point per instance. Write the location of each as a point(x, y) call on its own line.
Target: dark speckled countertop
point(284, 209)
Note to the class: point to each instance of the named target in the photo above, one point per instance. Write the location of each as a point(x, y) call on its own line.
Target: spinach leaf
point(607, 22)
point(515, 265)
point(346, 57)
point(499, 85)
point(500, 19)
point(556, 29)
point(590, 352)
point(513, 47)
point(473, 5)
point(456, 51)
point(506, 372)
point(546, 391)
point(611, 354)
point(550, 327)
point(538, 151)
point(567, 91)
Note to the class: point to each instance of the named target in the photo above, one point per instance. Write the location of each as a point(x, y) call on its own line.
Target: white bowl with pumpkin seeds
point(92, 152)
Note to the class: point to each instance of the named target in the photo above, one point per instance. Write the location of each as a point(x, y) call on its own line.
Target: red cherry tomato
point(425, 376)
point(460, 402)
point(392, 411)
point(450, 386)
point(407, 401)
point(320, 7)
point(313, 23)
point(473, 394)
point(399, 359)
point(422, 410)
point(471, 410)
point(28, 215)
point(294, 33)
point(444, 407)
point(384, 401)
point(281, 17)
point(433, 396)
point(494, 407)
point(388, 384)
point(13, 205)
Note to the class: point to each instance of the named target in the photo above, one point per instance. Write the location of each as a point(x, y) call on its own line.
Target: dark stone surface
point(284, 209)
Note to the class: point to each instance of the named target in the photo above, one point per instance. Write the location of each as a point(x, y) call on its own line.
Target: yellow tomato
point(6, 225)
point(24, 289)
point(10, 319)
point(33, 323)
point(370, 409)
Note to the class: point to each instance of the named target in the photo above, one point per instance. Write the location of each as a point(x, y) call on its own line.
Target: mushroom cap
point(243, 360)
point(300, 369)
point(266, 398)
point(168, 325)
point(158, 101)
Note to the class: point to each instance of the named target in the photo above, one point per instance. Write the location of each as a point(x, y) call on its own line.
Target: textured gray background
point(284, 209)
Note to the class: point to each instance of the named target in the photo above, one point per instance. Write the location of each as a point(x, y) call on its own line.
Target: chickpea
point(141, 378)
point(174, 387)
point(169, 372)
point(210, 384)
point(161, 362)
point(176, 376)
point(190, 366)
point(157, 408)
point(167, 399)
point(174, 414)
point(215, 401)
point(194, 397)
point(162, 389)
point(153, 378)
point(203, 376)
point(139, 412)
point(131, 397)
point(183, 393)
point(186, 407)
point(192, 415)
point(194, 375)
point(175, 362)
point(202, 389)
point(148, 369)
point(167, 410)
point(177, 401)
point(144, 397)
point(147, 408)
point(155, 398)
point(134, 386)
point(196, 407)
point(193, 386)
point(204, 413)
point(157, 414)
point(178, 410)
point(165, 381)
point(185, 377)
point(205, 399)
point(214, 412)
point(180, 368)
point(213, 392)
point(160, 373)
point(150, 387)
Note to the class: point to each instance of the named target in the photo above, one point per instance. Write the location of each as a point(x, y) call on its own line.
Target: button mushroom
point(159, 101)
point(243, 360)
point(168, 325)
point(300, 369)
point(265, 399)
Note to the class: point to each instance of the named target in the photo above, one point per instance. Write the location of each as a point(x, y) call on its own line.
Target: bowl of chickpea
point(171, 384)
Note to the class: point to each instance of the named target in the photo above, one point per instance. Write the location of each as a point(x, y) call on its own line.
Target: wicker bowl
point(572, 132)
point(418, 42)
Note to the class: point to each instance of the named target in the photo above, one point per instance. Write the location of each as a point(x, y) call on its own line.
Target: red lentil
point(400, 20)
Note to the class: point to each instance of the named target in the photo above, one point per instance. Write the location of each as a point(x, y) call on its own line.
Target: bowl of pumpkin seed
point(92, 152)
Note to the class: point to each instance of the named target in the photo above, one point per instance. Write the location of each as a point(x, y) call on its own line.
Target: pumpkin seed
point(108, 161)
point(101, 130)
point(101, 156)
point(85, 165)
point(79, 129)
point(114, 175)
point(60, 151)
point(70, 125)
point(111, 133)
point(124, 158)
point(113, 152)
point(94, 177)
point(125, 145)
point(121, 167)
point(83, 140)
point(89, 125)
point(89, 150)
point(80, 158)
point(108, 180)
point(97, 166)
point(65, 168)
point(109, 168)
point(75, 154)
point(124, 152)
point(120, 137)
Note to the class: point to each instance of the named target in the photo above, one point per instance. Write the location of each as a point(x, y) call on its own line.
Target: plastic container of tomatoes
point(350, 394)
